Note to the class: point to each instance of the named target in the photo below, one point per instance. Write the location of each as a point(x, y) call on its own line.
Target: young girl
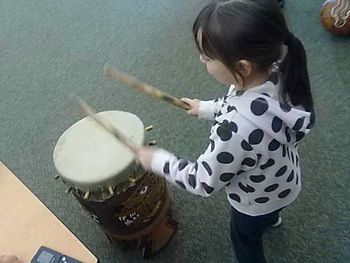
point(253, 145)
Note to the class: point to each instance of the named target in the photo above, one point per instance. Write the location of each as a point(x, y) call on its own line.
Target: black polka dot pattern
point(256, 136)
point(235, 197)
point(223, 132)
point(257, 178)
point(298, 124)
point(297, 180)
point(207, 167)
point(225, 129)
point(249, 162)
point(233, 126)
point(240, 172)
point(285, 107)
point(288, 153)
point(276, 124)
point(192, 180)
point(182, 164)
point(225, 157)
point(288, 137)
point(284, 151)
point(246, 146)
point(181, 184)
point(246, 188)
point(268, 164)
point(207, 188)
point(290, 177)
point(262, 200)
point(231, 108)
point(196, 167)
point(226, 177)
point(281, 171)
point(299, 135)
point(166, 168)
point(284, 193)
point(271, 188)
point(212, 145)
point(259, 106)
point(274, 145)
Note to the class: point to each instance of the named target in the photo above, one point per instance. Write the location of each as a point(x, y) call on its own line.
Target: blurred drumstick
point(129, 80)
point(91, 112)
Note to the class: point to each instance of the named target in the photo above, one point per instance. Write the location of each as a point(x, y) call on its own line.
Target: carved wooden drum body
point(131, 205)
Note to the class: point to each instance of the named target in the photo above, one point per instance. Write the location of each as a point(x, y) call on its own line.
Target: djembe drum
point(131, 205)
point(335, 16)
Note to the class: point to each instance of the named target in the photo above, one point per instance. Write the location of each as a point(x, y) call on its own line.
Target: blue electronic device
point(48, 255)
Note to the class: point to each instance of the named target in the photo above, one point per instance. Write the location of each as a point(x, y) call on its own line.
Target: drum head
point(89, 157)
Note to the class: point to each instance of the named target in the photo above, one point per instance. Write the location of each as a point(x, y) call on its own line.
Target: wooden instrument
point(335, 16)
point(131, 205)
point(143, 87)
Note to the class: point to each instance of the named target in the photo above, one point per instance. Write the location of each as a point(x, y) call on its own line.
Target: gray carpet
point(50, 50)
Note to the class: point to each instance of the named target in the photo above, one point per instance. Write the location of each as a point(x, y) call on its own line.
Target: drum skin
point(335, 16)
point(87, 157)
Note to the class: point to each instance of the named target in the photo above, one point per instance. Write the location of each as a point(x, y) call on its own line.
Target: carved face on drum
point(143, 204)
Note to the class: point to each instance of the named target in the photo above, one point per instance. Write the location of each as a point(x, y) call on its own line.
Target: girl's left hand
point(144, 156)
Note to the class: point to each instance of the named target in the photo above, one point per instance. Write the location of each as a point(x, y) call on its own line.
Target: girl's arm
point(212, 171)
point(203, 109)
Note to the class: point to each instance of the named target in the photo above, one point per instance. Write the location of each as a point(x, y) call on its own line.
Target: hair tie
point(275, 66)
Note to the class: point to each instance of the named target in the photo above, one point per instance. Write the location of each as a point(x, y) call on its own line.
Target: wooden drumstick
point(91, 112)
point(129, 80)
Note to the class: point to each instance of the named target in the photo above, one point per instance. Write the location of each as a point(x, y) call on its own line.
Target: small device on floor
point(48, 255)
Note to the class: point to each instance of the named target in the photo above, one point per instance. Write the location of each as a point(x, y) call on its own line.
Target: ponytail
point(295, 77)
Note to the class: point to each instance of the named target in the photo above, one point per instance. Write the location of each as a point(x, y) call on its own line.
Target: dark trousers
point(246, 235)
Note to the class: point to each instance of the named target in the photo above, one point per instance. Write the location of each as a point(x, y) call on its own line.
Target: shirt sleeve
point(208, 109)
point(222, 162)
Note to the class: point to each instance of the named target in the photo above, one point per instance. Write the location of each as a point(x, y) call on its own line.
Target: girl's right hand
point(194, 106)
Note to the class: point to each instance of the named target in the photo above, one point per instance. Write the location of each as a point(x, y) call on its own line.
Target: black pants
point(246, 235)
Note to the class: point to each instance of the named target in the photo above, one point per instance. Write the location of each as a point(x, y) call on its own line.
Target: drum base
point(151, 243)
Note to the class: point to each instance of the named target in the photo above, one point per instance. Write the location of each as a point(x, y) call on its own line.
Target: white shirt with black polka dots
point(252, 151)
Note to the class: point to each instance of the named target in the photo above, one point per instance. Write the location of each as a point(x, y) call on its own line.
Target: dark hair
point(254, 30)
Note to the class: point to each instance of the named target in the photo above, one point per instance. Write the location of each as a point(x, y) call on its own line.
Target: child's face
point(215, 67)
point(218, 70)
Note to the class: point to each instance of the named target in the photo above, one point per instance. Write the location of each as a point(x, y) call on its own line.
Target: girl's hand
point(194, 104)
point(144, 156)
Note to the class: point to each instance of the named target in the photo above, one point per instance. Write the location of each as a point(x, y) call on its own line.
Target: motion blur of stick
point(91, 112)
point(129, 80)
